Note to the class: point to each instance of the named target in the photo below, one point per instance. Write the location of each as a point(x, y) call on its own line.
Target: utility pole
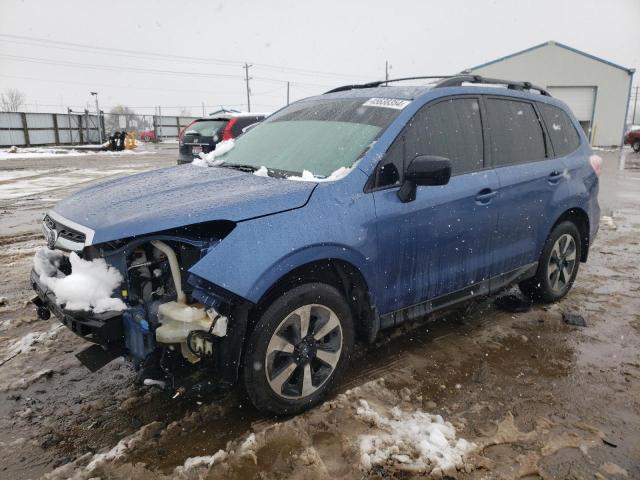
point(246, 79)
point(386, 72)
point(287, 93)
point(203, 109)
point(95, 94)
point(635, 104)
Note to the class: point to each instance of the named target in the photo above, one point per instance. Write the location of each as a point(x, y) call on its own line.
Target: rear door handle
point(485, 196)
point(555, 177)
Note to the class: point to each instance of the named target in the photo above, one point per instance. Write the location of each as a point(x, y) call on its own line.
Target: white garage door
point(580, 99)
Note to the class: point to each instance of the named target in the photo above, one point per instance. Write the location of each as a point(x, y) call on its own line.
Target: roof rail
point(383, 82)
point(458, 80)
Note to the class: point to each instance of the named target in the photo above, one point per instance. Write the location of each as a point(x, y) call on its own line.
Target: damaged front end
point(178, 330)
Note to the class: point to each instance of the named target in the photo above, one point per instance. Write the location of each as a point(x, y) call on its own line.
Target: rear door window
point(515, 132)
point(563, 134)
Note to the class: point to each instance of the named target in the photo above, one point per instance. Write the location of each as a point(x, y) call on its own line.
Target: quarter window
point(564, 137)
point(515, 131)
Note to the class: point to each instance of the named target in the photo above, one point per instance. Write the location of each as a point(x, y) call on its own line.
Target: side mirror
point(424, 170)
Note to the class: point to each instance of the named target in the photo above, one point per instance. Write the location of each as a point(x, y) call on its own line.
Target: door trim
point(486, 287)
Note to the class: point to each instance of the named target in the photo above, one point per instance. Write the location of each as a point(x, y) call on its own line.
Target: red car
point(632, 137)
point(148, 136)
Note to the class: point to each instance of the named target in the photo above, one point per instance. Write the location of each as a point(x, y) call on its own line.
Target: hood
point(178, 196)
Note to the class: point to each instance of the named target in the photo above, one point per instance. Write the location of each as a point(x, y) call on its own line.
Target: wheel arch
point(580, 219)
point(339, 273)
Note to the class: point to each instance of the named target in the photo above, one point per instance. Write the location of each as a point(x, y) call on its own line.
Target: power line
point(118, 68)
point(50, 80)
point(71, 46)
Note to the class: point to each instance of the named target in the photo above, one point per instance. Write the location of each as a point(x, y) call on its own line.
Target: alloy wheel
point(303, 351)
point(562, 262)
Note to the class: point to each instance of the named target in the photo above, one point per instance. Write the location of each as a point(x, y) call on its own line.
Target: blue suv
point(338, 216)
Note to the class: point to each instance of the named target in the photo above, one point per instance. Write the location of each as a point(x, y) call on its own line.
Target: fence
point(36, 129)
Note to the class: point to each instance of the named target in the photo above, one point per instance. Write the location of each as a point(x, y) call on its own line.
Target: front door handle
point(485, 196)
point(555, 177)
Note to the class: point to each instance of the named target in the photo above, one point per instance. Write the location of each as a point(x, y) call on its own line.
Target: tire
point(636, 146)
point(558, 265)
point(285, 372)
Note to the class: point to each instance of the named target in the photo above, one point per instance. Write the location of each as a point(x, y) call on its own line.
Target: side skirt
point(486, 287)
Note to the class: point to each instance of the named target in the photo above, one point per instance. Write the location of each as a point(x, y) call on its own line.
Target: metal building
point(598, 91)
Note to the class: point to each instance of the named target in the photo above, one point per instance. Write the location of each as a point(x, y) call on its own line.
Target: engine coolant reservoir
point(177, 321)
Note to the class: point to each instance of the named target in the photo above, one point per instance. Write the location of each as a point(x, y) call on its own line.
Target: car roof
point(395, 91)
point(411, 93)
point(229, 116)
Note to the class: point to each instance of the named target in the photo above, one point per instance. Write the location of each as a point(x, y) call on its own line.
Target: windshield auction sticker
point(395, 103)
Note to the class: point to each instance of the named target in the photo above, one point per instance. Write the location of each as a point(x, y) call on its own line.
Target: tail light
point(227, 134)
point(181, 134)
point(596, 164)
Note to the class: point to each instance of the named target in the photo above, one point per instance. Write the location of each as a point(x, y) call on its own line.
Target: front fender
point(337, 223)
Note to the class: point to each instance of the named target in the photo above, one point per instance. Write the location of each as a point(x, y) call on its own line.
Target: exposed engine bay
point(174, 333)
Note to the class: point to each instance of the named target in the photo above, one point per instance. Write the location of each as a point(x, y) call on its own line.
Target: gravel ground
point(536, 397)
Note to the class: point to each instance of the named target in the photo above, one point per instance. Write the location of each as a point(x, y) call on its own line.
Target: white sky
point(348, 41)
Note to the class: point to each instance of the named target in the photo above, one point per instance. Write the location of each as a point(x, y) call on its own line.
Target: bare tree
point(11, 100)
point(184, 112)
point(122, 118)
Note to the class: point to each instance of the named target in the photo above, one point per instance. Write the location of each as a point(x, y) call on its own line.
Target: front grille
point(64, 231)
point(72, 235)
point(49, 222)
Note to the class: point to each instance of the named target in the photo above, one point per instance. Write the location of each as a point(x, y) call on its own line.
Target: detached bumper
point(102, 328)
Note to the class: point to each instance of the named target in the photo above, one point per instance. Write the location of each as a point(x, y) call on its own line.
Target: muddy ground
point(537, 398)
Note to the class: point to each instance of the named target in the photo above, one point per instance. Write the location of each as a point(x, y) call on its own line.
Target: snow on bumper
point(103, 328)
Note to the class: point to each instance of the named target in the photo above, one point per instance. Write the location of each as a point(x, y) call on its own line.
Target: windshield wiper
point(239, 166)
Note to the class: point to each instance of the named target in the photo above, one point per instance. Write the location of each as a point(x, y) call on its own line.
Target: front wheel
point(636, 146)
point(558, 265)
point(298, 348)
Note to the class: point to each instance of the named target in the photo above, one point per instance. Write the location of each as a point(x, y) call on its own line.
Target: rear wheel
point(298, 348)
point(636, 146)
point(558, 265)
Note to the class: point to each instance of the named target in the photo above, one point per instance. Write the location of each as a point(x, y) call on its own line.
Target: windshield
point(319, 136)
point(205, 128)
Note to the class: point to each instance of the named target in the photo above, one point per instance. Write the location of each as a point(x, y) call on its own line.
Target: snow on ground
point(25, 343)
point(50, 152)
point(32, 182)
point(10, 175)
point(88, 287)
point(415, 439)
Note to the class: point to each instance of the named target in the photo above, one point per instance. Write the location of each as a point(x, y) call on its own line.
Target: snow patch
point(47, 262)
point(307, 176)
point(25, 343)
point(203, 461)
point(209, 159)
point(25, 153)
point(88, 287)
point(418, 440)
point(262, 172)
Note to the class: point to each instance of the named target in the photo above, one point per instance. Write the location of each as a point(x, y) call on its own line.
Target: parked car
point(632, 137)
point(202, 135)
point(148, 136)
point(241, 272)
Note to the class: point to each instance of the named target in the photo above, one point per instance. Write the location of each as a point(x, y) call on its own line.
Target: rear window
point(564, 137)
point(206, 128)
point(515, 132)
